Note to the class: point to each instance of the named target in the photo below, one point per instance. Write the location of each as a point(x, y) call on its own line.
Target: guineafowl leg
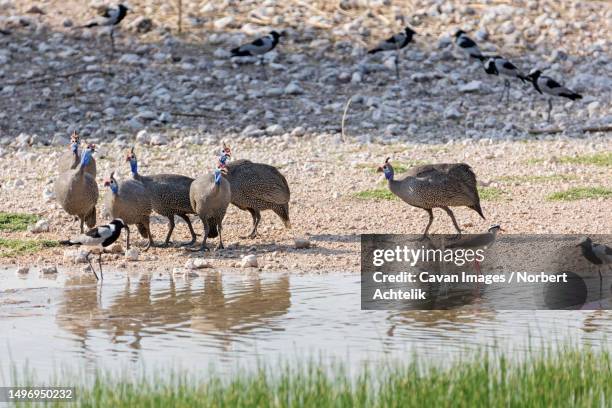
point(170, 229)
point(256, 218)
point(220, 228)
point(203, 247)
point(431, 218)
point(81, 221)
point(147, 227)
point(191, 231)
point(127, 238)
point(452, 216)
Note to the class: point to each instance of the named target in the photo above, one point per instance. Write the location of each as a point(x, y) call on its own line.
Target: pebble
point(197, 263)
point(41, 225)
point(302, 243)
point(452, 113)
point(470, 87)
point(132, 254)
point(158, 140)
point(249, 261)
point(48, 270)
point(293, 89)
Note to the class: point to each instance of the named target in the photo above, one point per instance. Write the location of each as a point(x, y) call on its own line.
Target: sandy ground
point(324, 176)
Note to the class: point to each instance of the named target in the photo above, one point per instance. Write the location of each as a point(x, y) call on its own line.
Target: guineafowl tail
point(477, 208)
point(142, 230)
point(90, 219)
point(214, 230)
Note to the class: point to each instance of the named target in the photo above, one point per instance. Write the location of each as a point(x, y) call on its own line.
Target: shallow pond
point(228, 321)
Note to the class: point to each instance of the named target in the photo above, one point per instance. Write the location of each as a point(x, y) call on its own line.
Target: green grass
point(490, 193)
point(565, 378)
point(12, 222)
point(580, 193)
point(597, 159)
point(537, 179)
point(376, 194)
point(14, 247)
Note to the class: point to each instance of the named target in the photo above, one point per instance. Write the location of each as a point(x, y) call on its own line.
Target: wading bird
point(259, 47)
point(546, 85)
point(109, 17)
point(395, 43)
point(497, 65)
point(597, 254)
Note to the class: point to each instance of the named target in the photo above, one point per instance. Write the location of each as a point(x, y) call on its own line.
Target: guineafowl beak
point(106, 183)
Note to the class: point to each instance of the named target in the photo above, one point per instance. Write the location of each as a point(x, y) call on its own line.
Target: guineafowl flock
point(256, 187)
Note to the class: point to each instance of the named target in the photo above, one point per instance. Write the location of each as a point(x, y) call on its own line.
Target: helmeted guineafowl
point(77, 191)
point(69, 160)
point(210, 196)
point(436, 186)
point(169, 194)
point(129, 201)
point(257, 187)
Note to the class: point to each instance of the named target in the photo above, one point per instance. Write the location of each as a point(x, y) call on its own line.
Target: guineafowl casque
point(70, 160)
point(129, 201)
point(77, 192)
point(436, 186)
point(169, 195)
point(210, 196)
point(257, 187)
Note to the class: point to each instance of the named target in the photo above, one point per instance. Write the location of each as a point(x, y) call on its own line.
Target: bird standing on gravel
point(395, 43)
point(546, 85)
point(77, 192)
point(259, 47)
point(169, 195)
point(210, 196)
point(497, 65)
point(100, 237)
point(467, 45)
point(436, 186)
point(109, 16)
point(129, 202)
point(597, 254)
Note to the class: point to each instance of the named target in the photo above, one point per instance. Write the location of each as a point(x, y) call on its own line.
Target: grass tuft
point(376, 194)
point(580, 193)
point(490, 193)
point(597, 159)
point(538, 179)
point(15, 247)
point(563, 378)
point(12, 222)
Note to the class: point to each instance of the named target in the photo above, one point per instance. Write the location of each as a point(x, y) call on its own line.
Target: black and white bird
point(546, 85)
point(259, 47)
point(109, 17)
point(101, 237)
point(597, 254)
point(498, 65)
point(468, 46)
point(395, 43)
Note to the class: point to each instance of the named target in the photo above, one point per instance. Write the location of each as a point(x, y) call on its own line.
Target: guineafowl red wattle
point(257, 187)
point(436, 186)
point(129, 201)
point(210, 196)
point(77, 192)
point(169, 195)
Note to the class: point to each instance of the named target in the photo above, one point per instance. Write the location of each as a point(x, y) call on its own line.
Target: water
point(229, 321)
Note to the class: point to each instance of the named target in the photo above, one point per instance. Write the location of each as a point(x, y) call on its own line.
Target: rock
point(130, 59)
point(96, 85)
point(223, 22)
point(78, 256)
point(197, 263)
point(132, 254)
point(452, 113)
point(158, 140)
point(472, 86)
point(41, 225)
point(298, 132)
point(249, 261)
point(142, 25)
point(23, 270)
point(116, 249)
point(48, 270)
point(302, 243)
point(275, 130)
point(143, 137)
point(293, 89)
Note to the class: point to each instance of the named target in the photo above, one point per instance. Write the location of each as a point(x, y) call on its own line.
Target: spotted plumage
point(436, 186)
point(210, 196)
point(77, 192)
point(129, 201)
point(169, 195)
point(257, 187)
